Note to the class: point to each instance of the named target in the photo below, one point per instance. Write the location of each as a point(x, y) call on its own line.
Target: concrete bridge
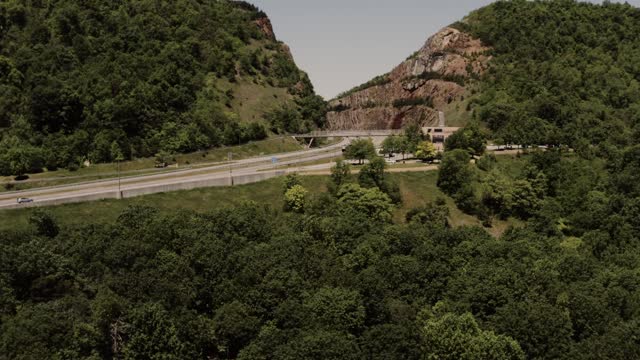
point(348, 133)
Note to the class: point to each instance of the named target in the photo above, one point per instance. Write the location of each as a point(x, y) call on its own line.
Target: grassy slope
point(251, 100)
point(417, 189)
point(456, 113)
point(253, 96)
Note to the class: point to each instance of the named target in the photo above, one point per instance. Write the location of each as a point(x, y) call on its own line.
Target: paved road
point(252, 166)
point(293, 162)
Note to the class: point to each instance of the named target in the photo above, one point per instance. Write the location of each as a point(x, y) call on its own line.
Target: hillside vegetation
point(334, 277)
point(103, 81)
point(563, 72)
point(375, 266)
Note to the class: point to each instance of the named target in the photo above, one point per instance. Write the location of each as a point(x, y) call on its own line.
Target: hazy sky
point(343, 43)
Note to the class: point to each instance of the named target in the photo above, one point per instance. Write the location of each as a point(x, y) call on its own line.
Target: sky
point(344, 43)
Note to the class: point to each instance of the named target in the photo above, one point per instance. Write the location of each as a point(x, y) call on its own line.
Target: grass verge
point(417, 189)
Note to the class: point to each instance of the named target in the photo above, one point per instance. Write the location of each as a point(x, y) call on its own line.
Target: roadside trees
point(470, 139)
point(360, 150)
point(426, 151)
point(22, 160)
point(413, 136)
point(164, 158)
point(391, 145)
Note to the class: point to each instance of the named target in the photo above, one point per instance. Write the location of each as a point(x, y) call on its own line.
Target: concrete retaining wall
point(190, 185)
point(129, 193)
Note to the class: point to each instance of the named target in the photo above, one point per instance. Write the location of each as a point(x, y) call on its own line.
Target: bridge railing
point(347, 133)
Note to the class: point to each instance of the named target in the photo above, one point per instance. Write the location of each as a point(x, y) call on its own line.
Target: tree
point(164, 158)
point(360, 150)
point(116, 152)
point(313, 108)
point(336, 308)
point(285, 119)
point(487, 162)
point(295, 199)
point(23, 159)
point(433, 213)
point(426, 151)
point(290, 181)
point(372, 202)
point(153, 334)
point(498, 194)
point(391, 145)
point(450, 336)
point(455, 171)
point(414, 136)
point(235, 326)
point(470, 139)
point(340, 175)
point(372, 174)
point(527, 200)
point(44, 223)
point(404, 146)
point(543, 330)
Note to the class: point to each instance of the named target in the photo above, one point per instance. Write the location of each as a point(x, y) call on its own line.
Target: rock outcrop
point(416, 89)
point(264, 24)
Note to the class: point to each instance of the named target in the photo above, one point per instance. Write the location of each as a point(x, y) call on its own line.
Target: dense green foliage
point(563, 72)
point(469, 138)
point(302, 116)
point(399, 103)
point(408, 143)
point(336, 278)
point(360, 149)
point(88, 80)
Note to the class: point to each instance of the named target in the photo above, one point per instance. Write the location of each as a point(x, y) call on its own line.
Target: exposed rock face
point(265, 26)
point(419, 87)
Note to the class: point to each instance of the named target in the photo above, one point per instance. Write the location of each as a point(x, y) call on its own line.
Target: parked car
point(24, 200)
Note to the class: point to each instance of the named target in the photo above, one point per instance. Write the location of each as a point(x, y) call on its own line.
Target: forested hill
point(98, 79)
point(560, 72)
point(563, 72)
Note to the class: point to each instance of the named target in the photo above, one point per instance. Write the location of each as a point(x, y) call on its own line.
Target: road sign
point(274, 160)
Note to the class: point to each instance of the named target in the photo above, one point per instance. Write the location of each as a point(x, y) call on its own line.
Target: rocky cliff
point(415, 90)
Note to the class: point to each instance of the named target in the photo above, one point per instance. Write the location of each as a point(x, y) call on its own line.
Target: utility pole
point(230, 158)
point(117, 154)
point(119, 192)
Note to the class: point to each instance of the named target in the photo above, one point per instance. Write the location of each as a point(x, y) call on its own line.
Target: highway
point(258, 166)
point(220, 174)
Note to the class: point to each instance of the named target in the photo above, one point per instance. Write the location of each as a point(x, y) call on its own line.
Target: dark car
point(24, 200)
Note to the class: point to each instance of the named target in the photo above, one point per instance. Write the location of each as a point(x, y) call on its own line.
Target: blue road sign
point(274, 160)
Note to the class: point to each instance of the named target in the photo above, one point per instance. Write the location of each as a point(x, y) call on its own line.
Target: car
point(24, 200)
